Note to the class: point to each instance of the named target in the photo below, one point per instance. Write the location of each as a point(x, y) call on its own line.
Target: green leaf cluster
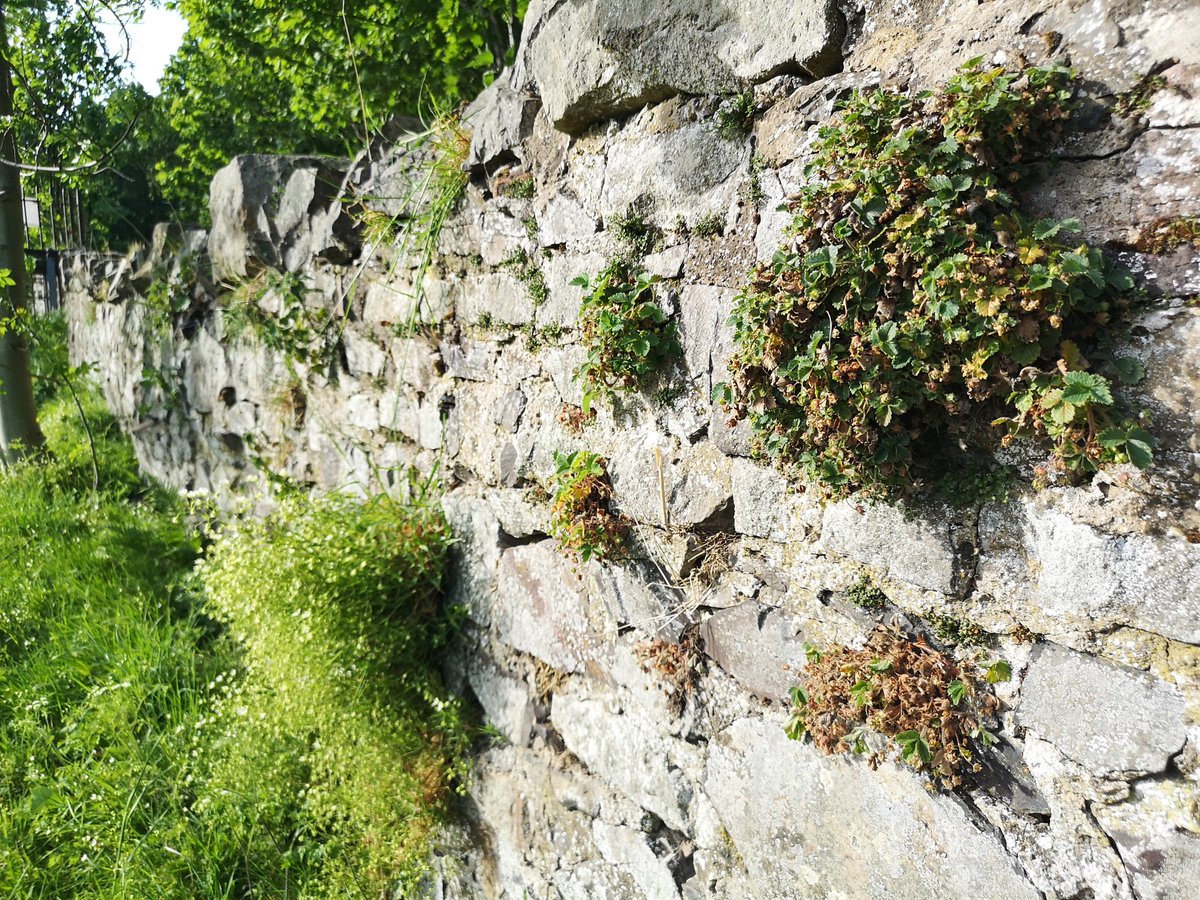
point(580, 519)
point(289, 76)
point(625, 334)
point(913, 305)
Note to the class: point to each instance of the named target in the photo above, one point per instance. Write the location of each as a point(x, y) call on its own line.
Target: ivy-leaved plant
point(626, 334)
point(913, 307)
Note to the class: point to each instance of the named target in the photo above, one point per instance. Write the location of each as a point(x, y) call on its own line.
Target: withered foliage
point(677, 665)
point(932, 708)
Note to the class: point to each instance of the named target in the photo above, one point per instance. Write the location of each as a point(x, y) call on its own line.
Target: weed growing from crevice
point(932, 710)
point(735, 116)
point(1136, 100)
point(519, 187)
point(299, 332)
point(864, 593)
point(636, 232)
point(677, 666)
point(1164, 235)
point(580, 518)
point(711, 225)
point(953, 631)
point(914, 307)
point(625, 334)
point(529, 273)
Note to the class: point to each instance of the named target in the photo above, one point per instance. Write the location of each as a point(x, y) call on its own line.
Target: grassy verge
point(267, 723)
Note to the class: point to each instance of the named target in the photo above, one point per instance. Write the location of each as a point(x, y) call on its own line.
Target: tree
point(316, 76)
point(53, 64)
point(19, 431)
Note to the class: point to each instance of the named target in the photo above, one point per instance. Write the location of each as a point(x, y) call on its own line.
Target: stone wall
point(606, 784)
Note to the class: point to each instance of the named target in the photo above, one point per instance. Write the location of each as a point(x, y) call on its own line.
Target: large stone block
point(262, 211)
point(918, 550)
point(543, 608)
point(807, 825)
point(696, 481)
point(656, 771)
point(594, 60)
point(1108, 718)
point(760, 646)
point(1080, 577)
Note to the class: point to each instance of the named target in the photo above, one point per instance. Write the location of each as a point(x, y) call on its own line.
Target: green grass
point(267, 724)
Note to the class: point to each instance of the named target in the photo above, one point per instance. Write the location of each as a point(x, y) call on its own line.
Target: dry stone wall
point(606, 783)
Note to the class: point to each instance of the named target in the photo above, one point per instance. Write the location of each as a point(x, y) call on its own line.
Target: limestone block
point(760, 646)
point(1157, 833)
point(563, 220)
point(630, 754)
point(918, 550)
point(505, 700)
point(696, 479)
point(594, 60)
point(364, 356)
point(498, 119)
point(1081, 577)
point(1109, 718)
point(262, 208)
point(761, 502)
point(810, 825)
point(541, 607)
point(498, 295)
point(628, 850)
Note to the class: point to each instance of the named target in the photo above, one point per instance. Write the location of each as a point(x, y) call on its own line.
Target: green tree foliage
point(313, 76)
point(74, 111)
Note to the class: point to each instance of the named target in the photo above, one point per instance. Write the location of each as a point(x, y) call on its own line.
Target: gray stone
point(1078, 576)
point(761, 647)
point(666, 263)
point(508, 413)
point(1157, 833)
point(1108, 718)
point(498, 295)
point(628, 850)
point(505, 700)
point(563, 220)
point(468, 359)
point(816, 826)
point(258, 224)
point(475, 552)
point(656, 771)
point(364, 356)
point(703, 311)
point(635, 598)
point(687, 170)
point(594, 60)
point(696, 481)
point(761, 503)
point(914, 549)
point(543, 608)
point(498, 118)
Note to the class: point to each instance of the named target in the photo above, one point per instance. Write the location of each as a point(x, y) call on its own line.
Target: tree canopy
point(315, 76)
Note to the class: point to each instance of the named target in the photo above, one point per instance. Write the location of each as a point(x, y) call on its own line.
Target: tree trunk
point(19, 431)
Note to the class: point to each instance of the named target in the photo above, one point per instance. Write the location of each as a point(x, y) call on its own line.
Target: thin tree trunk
point(19, 431)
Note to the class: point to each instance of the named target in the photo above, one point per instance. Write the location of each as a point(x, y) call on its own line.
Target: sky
point(153, 41)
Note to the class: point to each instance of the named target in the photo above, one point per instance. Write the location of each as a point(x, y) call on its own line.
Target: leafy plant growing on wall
point(625, 333)
point(928, 705)
point(298, 332)
point(913, 307)
point(580, 519)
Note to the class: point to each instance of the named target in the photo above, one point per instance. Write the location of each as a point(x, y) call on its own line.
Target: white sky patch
point(152, 43)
